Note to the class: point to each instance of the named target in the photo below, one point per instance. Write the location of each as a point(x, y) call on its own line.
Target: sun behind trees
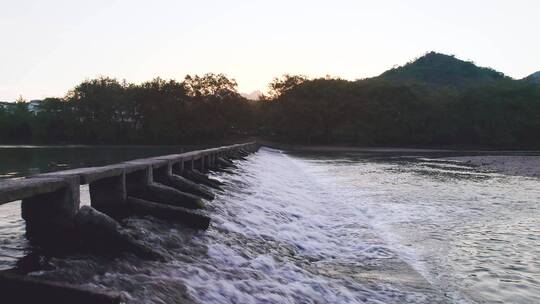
point(436, 100)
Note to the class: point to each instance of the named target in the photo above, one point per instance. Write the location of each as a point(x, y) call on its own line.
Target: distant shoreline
point(349, 148)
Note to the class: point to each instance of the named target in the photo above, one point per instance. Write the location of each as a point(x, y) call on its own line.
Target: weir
point(171, 187)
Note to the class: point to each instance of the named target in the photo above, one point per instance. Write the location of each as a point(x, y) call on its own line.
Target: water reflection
point(17, 161)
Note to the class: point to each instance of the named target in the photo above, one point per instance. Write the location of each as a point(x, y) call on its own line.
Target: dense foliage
point(435, 101)
point(105, 110)
point(376, 112)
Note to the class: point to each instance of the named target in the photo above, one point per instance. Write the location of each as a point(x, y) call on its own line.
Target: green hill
point(440, 70)
point(533, 78)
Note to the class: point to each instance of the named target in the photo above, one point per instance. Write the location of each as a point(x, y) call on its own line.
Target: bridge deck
point(17, 189)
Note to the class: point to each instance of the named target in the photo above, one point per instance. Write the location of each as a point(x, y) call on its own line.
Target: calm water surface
point(348, 228)
point(18, 161)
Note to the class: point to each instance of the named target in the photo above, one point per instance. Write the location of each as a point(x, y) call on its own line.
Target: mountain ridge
point(440, 70)
point(533, 78)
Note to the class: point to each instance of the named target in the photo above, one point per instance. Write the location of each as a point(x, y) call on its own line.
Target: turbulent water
point(352, 228)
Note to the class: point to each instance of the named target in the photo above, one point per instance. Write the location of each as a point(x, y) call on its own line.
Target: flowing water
point(348, 228)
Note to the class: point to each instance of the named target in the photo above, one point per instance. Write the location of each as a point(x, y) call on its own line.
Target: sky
point(48, 47)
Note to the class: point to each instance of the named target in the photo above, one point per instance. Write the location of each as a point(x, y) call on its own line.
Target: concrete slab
point(88, 175)
point(11, 190)
point(192, 155)
point(172, 157)
point(153, 162)
point(131, 167)
point(18, 189)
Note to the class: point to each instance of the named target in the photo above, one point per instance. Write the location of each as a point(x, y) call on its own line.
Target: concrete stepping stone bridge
point(171, 187)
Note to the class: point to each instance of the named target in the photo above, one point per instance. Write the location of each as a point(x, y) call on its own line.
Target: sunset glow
point(50, 46)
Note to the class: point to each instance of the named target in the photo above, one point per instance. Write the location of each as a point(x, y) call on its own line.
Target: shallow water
point(331, 229)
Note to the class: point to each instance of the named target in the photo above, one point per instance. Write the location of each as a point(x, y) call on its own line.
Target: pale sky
point(47, 47)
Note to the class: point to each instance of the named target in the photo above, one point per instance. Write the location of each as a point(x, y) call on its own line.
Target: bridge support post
point(50, 216)
point(176, 180)
point(137, 181)
point(213, 160)
point(109, 195)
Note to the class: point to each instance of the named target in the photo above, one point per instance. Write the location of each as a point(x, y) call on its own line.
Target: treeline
point(504, 114)
point(371, 112)
point(106, 111)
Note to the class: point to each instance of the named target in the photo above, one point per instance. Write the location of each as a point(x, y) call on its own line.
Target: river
point(329, 228)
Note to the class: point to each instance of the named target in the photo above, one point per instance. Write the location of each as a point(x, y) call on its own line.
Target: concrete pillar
point(185, 185)
point(211, 160)
point(224, 162)
point(198, 177)
point(108, 195)
point(50, 216)
point(104, 233)
point(170, 196)
point(137, 181)
point(180, 165)
point(198, 164)
point(172, 177)
point(191, 218)
point(161, 175)
point(152, 184)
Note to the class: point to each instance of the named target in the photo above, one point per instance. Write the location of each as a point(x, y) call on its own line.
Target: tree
point(279, 86)
point(215, 85)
